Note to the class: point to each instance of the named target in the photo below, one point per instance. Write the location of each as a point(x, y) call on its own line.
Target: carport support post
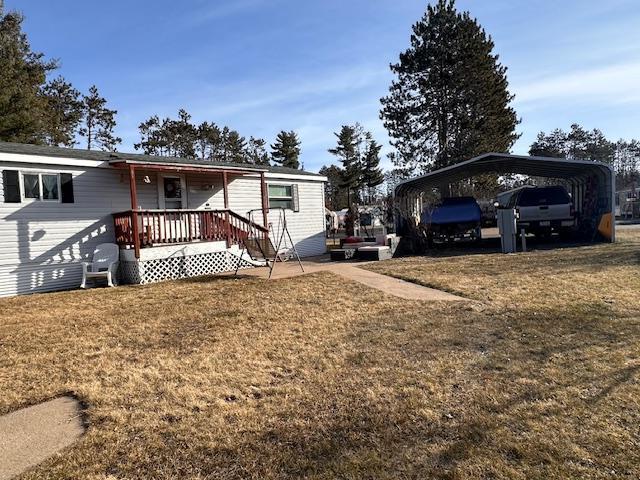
point(613, 204)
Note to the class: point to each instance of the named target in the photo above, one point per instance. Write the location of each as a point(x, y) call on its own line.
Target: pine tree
point(151, 140)
point(372, 175)
point(256, 151)
point(348, 152)
point(208, 141)
point(552, 145)
point(22, 75)
point(335, 193)
point(63, 113)
point(98, 122)
point(286, 150)
point(234, 146)
point(449, 101)
point(183, 135)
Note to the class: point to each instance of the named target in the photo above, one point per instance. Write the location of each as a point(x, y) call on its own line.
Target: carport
point(591, 185)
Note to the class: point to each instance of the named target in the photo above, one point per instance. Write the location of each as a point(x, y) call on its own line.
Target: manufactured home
point(171, 217)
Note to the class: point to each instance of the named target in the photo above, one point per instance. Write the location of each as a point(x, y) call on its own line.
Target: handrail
point(170, 226)
point(262, 228)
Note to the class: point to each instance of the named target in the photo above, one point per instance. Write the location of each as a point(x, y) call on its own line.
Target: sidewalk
point(30, 435)
point(350, 270)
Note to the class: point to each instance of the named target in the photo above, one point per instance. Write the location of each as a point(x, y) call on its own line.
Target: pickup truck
point(455, 218)
point(544, 210)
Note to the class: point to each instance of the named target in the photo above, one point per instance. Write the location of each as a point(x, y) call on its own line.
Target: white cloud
point(612, 84)
point(256, 95)
point(215, 10)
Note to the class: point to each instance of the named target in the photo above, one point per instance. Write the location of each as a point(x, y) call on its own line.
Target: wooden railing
point(164, 227)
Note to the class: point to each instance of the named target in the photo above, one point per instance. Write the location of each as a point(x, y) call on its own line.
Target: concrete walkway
point(350, 270)
point(31, 435)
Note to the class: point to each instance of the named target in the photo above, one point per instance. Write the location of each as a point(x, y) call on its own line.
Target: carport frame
point(410, 190)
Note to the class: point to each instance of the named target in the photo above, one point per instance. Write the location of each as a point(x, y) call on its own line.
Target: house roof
point(136, 158)
point(503, 163)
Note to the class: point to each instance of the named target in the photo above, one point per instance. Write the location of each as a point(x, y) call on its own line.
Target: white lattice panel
point(172, 268)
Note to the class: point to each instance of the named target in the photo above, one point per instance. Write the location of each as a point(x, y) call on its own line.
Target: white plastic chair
point(105, 264)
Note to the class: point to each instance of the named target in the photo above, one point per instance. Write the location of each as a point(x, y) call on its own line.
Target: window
point(31, 186)
point(283, 196)
point(41, 186)
point(532, 197)
point(49, 187)
point(172, 188)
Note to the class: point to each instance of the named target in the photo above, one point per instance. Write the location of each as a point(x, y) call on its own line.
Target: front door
point(172, 192)
point(172, 195)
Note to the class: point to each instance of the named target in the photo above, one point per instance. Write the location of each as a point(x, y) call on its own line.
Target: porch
point(168, 243)
point(165, 227)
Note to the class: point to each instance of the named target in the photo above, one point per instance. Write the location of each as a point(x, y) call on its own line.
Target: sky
point(261, 66)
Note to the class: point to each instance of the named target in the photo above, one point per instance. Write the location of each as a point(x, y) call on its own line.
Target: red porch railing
point(164, 227)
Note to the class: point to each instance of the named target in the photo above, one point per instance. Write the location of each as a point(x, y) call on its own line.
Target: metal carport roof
point(503, 163)
point(575, 172)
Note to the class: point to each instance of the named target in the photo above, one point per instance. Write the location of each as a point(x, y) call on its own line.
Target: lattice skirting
point(149, 271)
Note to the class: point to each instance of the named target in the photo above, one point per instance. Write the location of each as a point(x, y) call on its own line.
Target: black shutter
point(11, 186)
point(66, 187)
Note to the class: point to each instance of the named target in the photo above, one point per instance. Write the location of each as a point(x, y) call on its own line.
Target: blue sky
point(260, 66)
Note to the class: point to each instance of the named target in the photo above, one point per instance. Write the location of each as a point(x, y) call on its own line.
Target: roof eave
point(186, 166)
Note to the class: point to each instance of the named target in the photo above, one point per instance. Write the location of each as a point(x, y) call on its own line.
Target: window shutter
point(66, 187)
point(296, 199)
point(11, 186)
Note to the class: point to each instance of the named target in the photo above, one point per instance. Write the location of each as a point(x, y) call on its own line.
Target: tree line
point(579, 143)
point(181, 138)
point(35, 110)
point(53, 112)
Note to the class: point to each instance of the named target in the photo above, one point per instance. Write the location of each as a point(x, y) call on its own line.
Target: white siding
point(43, 243)
point(307, 226)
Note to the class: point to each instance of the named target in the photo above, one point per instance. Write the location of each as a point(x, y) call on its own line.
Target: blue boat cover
point(454, 210)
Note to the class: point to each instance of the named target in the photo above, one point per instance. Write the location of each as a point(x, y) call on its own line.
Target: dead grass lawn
point(319, 378)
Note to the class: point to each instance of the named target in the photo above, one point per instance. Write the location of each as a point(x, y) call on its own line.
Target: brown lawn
point(536, 377)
